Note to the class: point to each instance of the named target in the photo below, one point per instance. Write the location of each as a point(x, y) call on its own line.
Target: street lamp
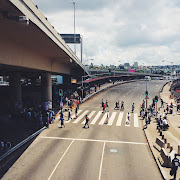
point(74, 28)
point(171, 66)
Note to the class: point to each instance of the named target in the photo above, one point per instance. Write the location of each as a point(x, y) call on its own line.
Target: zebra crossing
point(99, 118)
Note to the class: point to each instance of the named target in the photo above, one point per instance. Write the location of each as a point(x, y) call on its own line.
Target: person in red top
point(104, 107)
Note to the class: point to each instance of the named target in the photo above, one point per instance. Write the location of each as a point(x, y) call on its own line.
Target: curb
point(162, 174)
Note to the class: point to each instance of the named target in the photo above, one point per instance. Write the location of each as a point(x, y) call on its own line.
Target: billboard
point(131, 70)
point(69, 38)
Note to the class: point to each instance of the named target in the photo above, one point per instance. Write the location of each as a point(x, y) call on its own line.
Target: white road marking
point(103, 119)
point(112, 118)
point(136, 123)
point(93, 140)
point(128, 121)
point(81, 116)
point(96, 117)
point(89, 116)
point(100, 170)
point(73, 116)
point(60, 160)
point(119, 121)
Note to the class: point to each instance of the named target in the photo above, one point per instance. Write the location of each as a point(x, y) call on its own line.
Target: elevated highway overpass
point(33, 48)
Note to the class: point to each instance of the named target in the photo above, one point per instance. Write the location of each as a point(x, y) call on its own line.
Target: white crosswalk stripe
point(136, 123)
point(81, 116)
point(89, 116)
point(119, 121)
point(96, 117)
point(112, 118)
point(127, 123)
point(104, 118)
point(73, 116)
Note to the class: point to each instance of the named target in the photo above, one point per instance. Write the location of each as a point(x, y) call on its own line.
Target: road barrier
point(21, 143)
point(103, 89)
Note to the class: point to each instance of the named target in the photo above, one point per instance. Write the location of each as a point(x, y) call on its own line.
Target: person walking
point(162, 103)
point(76, 111)
point(104, 107)
point(87, 121)
point(107, 117)
point(69, 114)
point(175, 164)
point(132, 107)
point(62, 122)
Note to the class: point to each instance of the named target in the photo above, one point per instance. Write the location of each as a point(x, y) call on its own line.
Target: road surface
point(104, 151)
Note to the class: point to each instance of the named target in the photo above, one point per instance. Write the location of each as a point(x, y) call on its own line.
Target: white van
point(147, 78)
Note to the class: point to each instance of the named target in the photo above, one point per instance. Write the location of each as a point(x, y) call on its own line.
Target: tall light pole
point(171, 67)
point(74, 28)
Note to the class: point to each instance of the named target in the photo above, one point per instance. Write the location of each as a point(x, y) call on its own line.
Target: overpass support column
point(46, 88)
point(15, 87)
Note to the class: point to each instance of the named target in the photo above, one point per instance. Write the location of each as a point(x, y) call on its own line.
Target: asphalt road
point(102, 152)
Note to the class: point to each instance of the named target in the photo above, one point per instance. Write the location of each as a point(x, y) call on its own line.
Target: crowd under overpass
point(33, 50)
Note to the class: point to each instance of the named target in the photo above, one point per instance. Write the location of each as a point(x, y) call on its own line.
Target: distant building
point(135, 64)
point(126, 65)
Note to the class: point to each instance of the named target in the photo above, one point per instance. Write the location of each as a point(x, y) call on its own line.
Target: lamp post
point(74, 28)
point(171, 66)
point(83, 77)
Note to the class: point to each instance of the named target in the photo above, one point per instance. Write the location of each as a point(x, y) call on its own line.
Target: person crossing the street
point(107, 117)
point(87, 121)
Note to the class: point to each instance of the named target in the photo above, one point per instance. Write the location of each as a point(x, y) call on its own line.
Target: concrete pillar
point(15, 91)
point(66, 79)
point(46, 87)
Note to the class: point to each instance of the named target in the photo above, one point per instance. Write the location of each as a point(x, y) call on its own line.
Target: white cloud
point(120, 30)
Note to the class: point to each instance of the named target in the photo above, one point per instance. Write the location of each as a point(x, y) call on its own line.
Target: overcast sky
point(146, 31)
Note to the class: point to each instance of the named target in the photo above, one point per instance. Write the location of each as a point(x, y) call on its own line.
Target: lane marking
point(89, 116)
point(93, 140)
point(136, 123)
point(102, 156)
point(73, 116)
point(81, 116)
point(60, 160)
point(127, 123)
point(96, 117)
point(112, 118)
point(119, 121)
point(103, 119)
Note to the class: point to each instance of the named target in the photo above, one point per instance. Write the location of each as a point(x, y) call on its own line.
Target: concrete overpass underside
point(32, 49)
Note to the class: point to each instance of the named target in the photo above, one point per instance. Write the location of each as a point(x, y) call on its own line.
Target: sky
point(119, 31)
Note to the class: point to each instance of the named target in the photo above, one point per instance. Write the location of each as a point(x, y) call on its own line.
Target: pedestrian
point(162, 103)
point(107, 103)
point(128, 117)
point(40, 120)
point(104, 107)
point(167, 108)
point(107, 117)
point(102, 102)
point(62, 122)
point(175, 164)
point(69, 114)
point(76, 111)
point(78, 104)
point(61, 114)
point(47, 119)
point(87, 121)
point(132, 107)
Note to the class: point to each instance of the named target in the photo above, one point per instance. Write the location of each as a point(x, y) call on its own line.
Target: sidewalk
point(172, 135)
